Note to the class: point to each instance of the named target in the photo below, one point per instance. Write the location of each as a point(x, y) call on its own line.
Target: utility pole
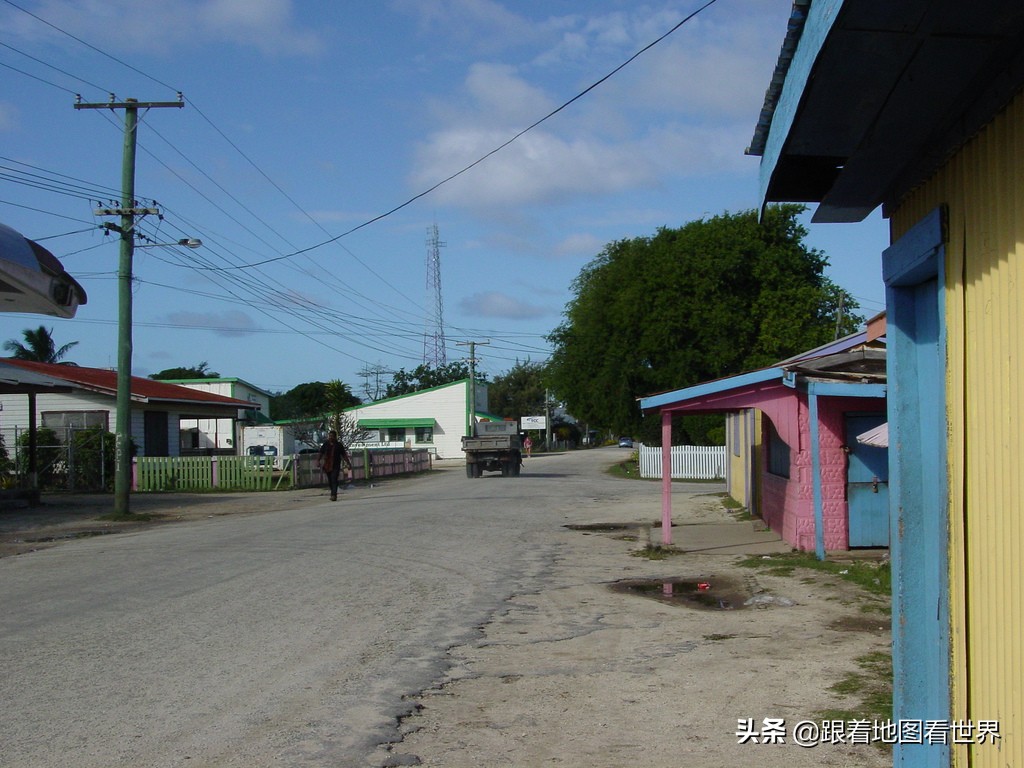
point(472, 381)
point(547, 420)
point(128, 212)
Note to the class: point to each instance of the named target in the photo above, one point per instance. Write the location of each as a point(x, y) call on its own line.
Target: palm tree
point(38, 347)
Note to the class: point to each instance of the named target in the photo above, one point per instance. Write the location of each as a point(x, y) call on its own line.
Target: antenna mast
point(434, 353)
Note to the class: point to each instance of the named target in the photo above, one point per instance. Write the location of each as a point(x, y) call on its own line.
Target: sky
point(321, 141)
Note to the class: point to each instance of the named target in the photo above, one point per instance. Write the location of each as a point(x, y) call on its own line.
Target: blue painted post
point(819, 517)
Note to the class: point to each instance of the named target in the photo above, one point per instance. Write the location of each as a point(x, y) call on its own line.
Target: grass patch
point(656, 552)
point(729, 502)
point(626, 469)
point(870, 687)
point(875, 578)
point(131, 517)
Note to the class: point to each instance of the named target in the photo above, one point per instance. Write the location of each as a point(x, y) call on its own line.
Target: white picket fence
point(689, 462)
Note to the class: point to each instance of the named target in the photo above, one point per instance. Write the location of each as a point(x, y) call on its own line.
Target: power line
point(89, 45)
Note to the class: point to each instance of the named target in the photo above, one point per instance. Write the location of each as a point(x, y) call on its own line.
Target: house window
point(63, 422)
point(778, 452)
point(424, 434)
point(396, 434)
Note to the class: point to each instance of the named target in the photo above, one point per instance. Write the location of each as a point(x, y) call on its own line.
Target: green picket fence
point(200, 473)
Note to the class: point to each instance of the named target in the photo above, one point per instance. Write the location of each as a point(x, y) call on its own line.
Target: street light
point(187, 242)
point(123, 454)
point(128, 212)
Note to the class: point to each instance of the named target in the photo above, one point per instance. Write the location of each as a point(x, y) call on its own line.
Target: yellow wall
point(744, 431)
point(983, 187)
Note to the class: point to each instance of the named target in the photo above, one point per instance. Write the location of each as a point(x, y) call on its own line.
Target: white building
point(220, 435)
point(435, 419)
point(158, 409)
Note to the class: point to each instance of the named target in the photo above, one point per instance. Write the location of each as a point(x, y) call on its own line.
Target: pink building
point(792, 436)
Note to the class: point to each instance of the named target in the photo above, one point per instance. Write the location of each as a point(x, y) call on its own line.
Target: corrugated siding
point(983, 186)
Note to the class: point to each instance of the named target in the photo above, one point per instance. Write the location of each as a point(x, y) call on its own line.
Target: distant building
point(158, 409)
point(222, 435)
point(434, 419)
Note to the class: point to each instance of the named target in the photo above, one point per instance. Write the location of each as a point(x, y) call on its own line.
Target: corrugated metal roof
point(144, 390)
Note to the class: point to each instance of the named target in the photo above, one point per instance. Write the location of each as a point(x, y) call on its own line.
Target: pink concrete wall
point(788, 504)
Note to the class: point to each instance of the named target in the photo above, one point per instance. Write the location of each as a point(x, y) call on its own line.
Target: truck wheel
point(469, 470)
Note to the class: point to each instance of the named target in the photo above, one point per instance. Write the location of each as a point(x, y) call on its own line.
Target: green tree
point(339, 396)
point(424, 377)
point(712, 298)
point(39, 347)
point(94, 452)
point(49, 453)
point(201, 371)
point(308, 401)
point(519, 392)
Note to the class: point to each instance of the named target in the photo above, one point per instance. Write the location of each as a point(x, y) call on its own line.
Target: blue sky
point(306, 119)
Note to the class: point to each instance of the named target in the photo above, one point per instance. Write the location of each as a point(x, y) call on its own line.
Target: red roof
point(143, 390)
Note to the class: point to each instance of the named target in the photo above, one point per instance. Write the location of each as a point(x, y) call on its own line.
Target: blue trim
point(819, 518)
point(820, 18)
point(711, 388)
point(914, 272)
point(846, 389)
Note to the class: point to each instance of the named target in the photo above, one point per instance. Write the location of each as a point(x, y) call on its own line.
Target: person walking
point(528, 445)
point(332, 456)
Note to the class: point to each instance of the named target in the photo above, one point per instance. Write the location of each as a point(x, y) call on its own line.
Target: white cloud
point(230, 323)
point(684, 109)
point(500, 305)
point(579, 244)
point(539, 167)
point(170, 25)
point(474, 25)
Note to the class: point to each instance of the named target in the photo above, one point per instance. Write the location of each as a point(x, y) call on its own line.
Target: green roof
point(395, 423)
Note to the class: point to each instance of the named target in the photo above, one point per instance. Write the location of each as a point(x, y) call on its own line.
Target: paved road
point(284, 638)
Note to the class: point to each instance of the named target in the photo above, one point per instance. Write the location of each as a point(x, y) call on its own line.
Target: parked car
point(625, 442)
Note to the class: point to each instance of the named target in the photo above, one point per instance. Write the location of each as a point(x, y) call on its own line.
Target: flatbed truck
point(494, 447)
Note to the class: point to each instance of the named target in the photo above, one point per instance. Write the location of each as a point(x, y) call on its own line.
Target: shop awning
point(395, 423)
point(877, 437)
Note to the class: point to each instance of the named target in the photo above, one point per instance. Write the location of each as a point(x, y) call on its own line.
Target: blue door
point(867, 484)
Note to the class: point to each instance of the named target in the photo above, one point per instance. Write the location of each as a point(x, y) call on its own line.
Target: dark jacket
point(332, 455)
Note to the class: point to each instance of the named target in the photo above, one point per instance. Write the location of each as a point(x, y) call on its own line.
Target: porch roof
point(833, 369)
point(103, 381)
point(869, 98)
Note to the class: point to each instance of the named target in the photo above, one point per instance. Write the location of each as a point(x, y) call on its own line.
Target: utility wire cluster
point(394, 331)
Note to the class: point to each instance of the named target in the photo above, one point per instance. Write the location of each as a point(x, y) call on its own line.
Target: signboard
point(534, 422)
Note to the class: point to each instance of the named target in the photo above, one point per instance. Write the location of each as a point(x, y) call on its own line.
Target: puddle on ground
point(716, 594)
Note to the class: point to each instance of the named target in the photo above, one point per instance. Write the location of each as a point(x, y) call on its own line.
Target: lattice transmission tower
point(434, 353)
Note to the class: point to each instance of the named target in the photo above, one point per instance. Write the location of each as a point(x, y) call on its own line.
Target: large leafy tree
point(712, 298)
point(519, 392)
point(312, 400)
point(425, 376)
point(39, 347)
point(201, 371)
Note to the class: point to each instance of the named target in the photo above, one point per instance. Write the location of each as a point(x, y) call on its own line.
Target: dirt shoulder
point(588, 671)
point(61, 518)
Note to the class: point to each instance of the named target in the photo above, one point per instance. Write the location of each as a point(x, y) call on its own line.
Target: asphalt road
point(283, 638)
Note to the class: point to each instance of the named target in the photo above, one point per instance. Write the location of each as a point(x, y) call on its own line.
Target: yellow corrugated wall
point(983, 187)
